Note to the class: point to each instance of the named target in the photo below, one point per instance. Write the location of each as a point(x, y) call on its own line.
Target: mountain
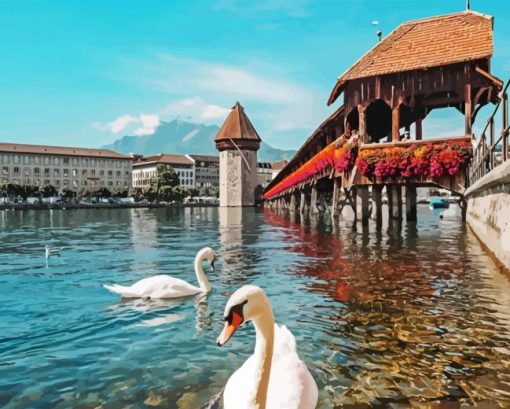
point(183, 137)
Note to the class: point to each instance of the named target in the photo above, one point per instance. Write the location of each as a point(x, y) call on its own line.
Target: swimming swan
point(273, 377)
point(164, 286)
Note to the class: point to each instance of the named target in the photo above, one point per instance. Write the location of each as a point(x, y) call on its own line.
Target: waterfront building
point(238, 143)
point(207, 170)
point(264, 173)
point(65, 168)
point(146, 167)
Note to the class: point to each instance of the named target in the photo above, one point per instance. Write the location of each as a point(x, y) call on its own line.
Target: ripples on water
point(416, 315)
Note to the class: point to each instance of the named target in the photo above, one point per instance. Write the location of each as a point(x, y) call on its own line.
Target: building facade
point(65, 168)
point(146, 167)
point(207, 170)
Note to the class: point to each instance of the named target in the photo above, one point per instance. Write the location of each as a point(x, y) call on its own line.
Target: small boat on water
point(439, 203)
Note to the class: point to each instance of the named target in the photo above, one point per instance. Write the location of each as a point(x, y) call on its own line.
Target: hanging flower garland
point(340, 158)
point(420, 161)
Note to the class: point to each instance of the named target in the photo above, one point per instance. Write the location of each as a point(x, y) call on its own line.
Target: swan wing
point(291, 385)
point(160, 286)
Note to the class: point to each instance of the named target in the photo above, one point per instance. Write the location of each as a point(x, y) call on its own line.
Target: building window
point(93, 172)
point(5, 170)
point(75, 172)
point(26, 160)
point(84, 172)
point(15, 170)
point(66, 182)
point(110, 173)
point(56, 172)
point(66, 161)
point(56, 161)
point(46, 171)
point(66, 172)
point(101, 173)
point(117, 173)
point(27, 171)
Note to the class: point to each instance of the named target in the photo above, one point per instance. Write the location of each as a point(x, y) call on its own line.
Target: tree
point(165, 177)
point(49, 191)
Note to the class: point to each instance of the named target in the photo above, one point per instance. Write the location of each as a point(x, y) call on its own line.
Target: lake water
point(411, 315)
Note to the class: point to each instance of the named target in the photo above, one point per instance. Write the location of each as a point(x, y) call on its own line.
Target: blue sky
point(85, 73)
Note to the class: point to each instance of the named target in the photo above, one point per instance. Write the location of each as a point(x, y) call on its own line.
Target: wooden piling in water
point(411, 215)
point(362, 193)
point(313, 201)
point(377, 203)
point(396, 202)
point(302, 202)
point(335, 198)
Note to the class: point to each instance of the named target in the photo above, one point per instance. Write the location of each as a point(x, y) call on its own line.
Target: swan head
point(208, 254)
point(248, 303)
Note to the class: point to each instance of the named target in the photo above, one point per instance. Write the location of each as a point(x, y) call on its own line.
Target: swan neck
point(264, 328)
point(203, 282)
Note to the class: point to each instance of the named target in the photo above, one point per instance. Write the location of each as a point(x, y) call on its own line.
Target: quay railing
point(486, 154)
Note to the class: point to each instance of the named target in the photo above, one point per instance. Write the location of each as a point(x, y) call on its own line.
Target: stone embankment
point(488, 212)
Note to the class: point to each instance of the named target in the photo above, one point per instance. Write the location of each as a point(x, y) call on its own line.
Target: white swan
point(273, 377)
point(164, 286)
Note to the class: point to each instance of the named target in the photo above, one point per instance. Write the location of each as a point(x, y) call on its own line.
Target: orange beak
point(229, 329)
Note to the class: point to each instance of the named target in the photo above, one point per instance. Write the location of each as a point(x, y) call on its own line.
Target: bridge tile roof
point(425, 43)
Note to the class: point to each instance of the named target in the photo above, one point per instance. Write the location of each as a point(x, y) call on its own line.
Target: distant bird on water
point(52, 251)
point(164, 286)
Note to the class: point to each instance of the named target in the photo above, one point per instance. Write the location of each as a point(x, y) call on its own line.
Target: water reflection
point(413, 316)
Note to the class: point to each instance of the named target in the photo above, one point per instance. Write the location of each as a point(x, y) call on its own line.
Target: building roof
point(205, 158)
point(237, 126)
point(163, 158)
point(425, 43)
point(279, 164)
point(60, 150)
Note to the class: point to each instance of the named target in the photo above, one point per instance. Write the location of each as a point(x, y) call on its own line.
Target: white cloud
point(195, 108)
point(120, 123)
point(146, 124)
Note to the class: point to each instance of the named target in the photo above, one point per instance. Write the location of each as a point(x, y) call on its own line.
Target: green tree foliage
point(165, 178)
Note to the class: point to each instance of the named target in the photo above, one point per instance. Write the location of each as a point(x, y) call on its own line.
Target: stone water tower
point(238, 143)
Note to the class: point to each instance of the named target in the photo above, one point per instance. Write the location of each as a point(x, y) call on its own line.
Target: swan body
point(273, 377)
point(164, 286)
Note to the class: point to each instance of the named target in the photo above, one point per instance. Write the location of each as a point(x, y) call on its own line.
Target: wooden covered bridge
point(375, 139)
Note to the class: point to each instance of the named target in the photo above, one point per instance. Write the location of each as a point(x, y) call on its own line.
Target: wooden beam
point(395, 124)
point(437, 102)
point(496, 81)
point(419, 129)
point(362, 124)
point(468, 109)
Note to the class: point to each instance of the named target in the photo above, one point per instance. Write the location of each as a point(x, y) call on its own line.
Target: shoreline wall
point(488, 212)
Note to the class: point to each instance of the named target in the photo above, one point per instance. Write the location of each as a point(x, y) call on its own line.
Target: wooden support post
point(397, 202)
point(363, 135)
point(377, 203)
point(492, 140)
point(419, 129)
point(504, 124)
point(395, 124)
point(411, 215)
point(354, 206)
point(334, 199)
point(362, 192)
point(292, 202)
point(302, 202)
point(468, 109)
point(313, 201)
point(389, 196)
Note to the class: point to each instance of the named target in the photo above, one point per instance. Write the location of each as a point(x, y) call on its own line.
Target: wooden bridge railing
point(485, 153)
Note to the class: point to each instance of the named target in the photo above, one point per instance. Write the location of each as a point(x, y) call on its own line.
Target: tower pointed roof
point(237, 126)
